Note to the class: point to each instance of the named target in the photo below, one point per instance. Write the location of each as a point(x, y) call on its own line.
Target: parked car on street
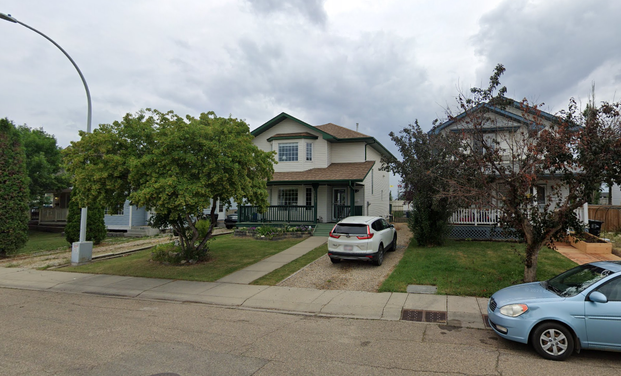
point(361, 238)
point(578, 309)
point(230, 221)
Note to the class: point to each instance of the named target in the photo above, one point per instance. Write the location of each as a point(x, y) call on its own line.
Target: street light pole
point(82, 251)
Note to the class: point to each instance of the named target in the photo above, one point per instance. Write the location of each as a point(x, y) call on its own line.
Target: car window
point(576, 280)
point(377, 225)
point(385, 224)
point(350, 229)
point(612, 290)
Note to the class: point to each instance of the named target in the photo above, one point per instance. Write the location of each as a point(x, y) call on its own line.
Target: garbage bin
point(595, 227)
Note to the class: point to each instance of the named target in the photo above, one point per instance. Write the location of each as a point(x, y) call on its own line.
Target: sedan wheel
point(553, 341)
point(379, 258)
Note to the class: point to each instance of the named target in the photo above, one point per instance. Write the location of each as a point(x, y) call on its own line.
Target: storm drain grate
point(423, 316)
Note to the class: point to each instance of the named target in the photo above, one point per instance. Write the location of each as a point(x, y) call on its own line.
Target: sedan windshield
point(576, 280)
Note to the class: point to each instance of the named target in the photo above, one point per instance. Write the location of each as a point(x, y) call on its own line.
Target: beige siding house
point(324, 173)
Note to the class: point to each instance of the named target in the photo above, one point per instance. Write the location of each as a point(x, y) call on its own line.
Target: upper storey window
point(309, 151)
point(288, 152)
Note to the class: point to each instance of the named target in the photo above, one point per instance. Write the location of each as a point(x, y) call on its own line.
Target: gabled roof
point(340, 132)
point(330, 132)
point(499, 111)
point(354, 172)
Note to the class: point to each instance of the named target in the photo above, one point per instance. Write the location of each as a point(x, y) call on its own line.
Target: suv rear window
point(350, 229)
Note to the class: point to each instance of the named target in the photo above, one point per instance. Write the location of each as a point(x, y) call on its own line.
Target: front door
point(340, 209)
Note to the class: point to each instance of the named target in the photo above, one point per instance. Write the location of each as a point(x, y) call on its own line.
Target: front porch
point(482, 224)
point(292, 215)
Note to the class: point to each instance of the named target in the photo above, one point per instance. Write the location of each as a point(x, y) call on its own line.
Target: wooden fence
point(610, 215)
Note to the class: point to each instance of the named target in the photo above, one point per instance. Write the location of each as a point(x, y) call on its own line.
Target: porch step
point(141, 231)
point(323, 229)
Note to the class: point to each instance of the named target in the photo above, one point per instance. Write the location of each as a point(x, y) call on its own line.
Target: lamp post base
point(81, 252)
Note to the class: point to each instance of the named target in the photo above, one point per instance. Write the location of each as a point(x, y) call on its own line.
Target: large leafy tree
point(427, 163)
point(175, 166)
point(13, 190)
point(43, 163)
point(574, 152)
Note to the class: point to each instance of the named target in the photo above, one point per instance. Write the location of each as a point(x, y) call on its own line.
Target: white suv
point(361, 238)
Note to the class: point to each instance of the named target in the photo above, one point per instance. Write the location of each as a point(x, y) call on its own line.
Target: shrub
point(13, 190)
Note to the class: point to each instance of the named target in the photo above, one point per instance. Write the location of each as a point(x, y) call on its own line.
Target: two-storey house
point(504, 128)
point(324, 173)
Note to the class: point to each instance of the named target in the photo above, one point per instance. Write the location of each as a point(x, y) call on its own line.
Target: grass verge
point(39, 241)
point(470, 268)
point(285, 271)
point(227, 255)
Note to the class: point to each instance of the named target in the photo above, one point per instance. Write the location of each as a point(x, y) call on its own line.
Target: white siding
point(320, 146)
point(347, 152)
point(323, 208)
point(377, 186)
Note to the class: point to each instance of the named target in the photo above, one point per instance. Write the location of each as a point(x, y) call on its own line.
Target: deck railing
point(52, 215)
point(279, 214)
point(473, 216)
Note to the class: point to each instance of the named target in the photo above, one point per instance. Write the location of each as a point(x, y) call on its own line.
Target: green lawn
point(228, 254)
point(39, 241)
point(470, 268)
point(285, 271)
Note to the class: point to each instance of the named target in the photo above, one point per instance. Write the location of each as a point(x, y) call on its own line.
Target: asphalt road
point(48, 333)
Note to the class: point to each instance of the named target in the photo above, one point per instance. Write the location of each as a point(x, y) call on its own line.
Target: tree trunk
point(530, 262)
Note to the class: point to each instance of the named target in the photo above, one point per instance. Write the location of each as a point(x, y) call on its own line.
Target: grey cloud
point(313, 10)
point(550, 46)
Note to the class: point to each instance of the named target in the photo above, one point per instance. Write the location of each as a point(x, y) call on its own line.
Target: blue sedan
point(578, 309)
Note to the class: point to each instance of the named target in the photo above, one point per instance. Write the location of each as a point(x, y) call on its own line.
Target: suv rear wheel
point(379, 258)
point(393, 245)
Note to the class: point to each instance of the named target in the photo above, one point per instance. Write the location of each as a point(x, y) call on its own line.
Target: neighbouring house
point(324, 173)
point(131, 220)
point(502, 127)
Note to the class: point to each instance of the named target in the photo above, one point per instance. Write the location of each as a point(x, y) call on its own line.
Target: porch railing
point(342, 211)
point(279, 213)
point(471, 216)
point(53, 214)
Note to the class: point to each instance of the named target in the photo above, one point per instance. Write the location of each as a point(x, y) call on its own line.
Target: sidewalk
point(451, 310)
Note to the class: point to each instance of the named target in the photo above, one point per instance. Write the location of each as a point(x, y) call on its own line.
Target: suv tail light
point(332, 235)
point(367, 236)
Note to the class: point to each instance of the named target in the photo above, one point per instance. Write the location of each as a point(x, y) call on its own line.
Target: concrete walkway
point(451, 310)
point(258, 270)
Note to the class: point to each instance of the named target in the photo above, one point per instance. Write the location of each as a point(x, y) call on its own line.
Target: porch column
point(585, 214)
point(315, 188)
point(352, 199)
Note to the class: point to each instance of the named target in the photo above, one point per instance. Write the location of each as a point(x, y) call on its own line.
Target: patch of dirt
point(350, 275)
point(55, 259)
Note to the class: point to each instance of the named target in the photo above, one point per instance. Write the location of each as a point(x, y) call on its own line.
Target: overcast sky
point(382, 64)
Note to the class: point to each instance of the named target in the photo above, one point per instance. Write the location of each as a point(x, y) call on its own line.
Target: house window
point(288, 152)
point(110, 211)
point(541, 195)
point(309, 151)
point(288, 197)
point(309, 196)
point(221, 207)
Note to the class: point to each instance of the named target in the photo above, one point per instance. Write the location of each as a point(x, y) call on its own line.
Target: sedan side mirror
point(598, 297)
